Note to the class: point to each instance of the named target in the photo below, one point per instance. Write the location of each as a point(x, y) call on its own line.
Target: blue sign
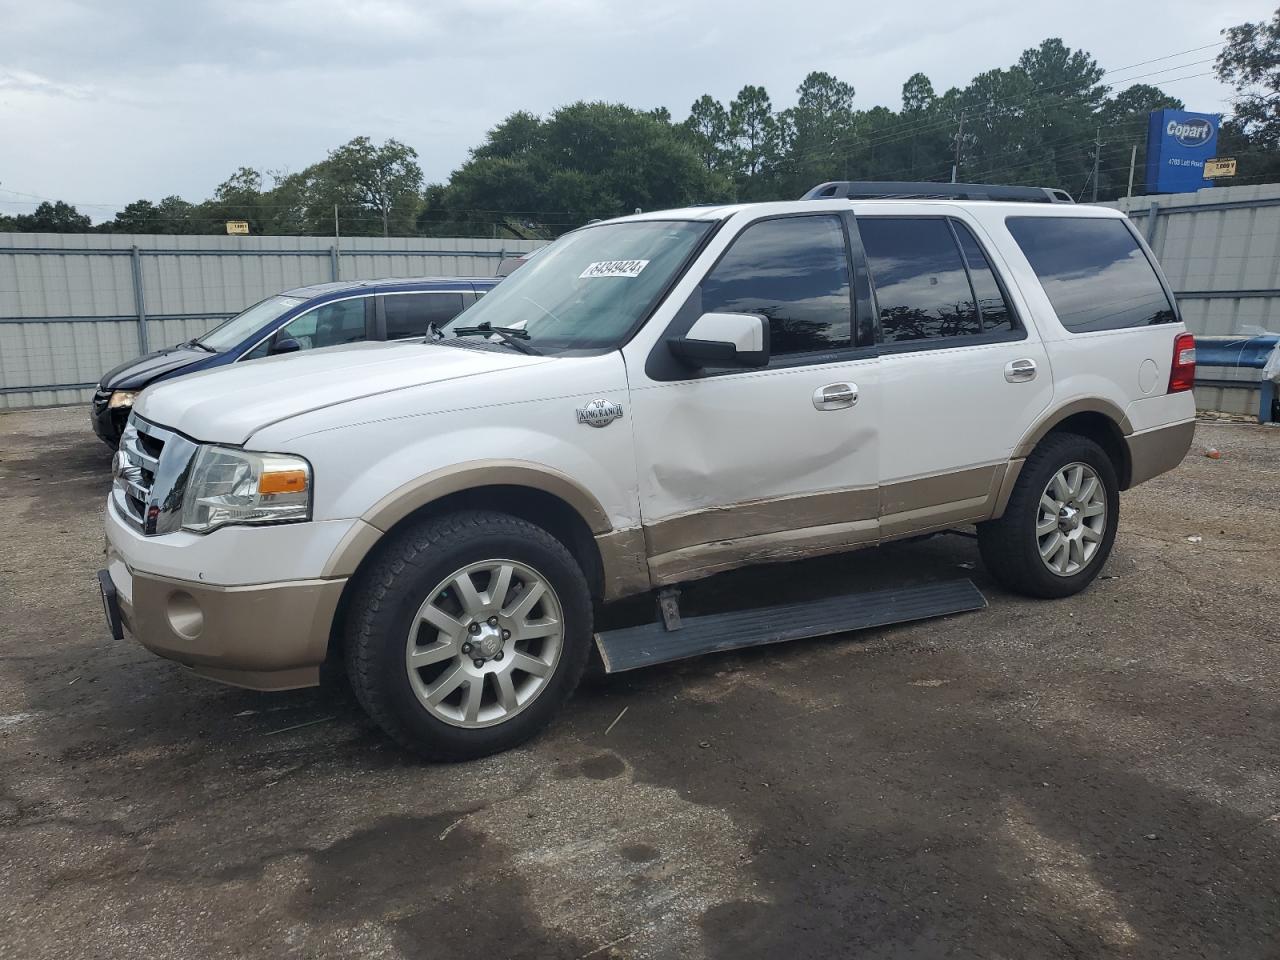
point(1178, 144)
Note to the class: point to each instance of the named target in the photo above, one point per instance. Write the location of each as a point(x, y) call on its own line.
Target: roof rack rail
point(894, 190)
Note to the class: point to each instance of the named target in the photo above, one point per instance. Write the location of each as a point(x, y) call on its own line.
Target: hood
point(229, 404)
point(140, 371)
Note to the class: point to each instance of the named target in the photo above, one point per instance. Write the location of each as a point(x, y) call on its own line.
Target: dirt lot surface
point(1094, 777)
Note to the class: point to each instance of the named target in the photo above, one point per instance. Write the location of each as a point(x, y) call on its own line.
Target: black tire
point(1009, 545)
point(394, 586)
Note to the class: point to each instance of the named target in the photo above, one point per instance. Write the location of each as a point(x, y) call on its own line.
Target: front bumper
point(108, 424)
point(269, 636)
point(265, 626)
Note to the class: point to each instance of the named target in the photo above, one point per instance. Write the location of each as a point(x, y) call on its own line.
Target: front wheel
point(1060, 522)
point(468, 633)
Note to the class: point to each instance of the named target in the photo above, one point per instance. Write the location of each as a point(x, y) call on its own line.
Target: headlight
point(122, 398)
point(238, 486)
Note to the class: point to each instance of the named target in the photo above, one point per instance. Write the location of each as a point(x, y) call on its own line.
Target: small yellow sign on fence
point(1220, 167)
point(242, 226)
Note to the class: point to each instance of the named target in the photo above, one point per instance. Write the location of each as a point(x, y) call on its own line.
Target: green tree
point(587, 160)
point(918, 97)
point(172, 215)
point(1250, 62)
point(383, 181)
point(137, 217)
point(817, 135)
point(708, 129)
point(1123, 120)
point(753, 136)
point(55, 217)
point(521, 134)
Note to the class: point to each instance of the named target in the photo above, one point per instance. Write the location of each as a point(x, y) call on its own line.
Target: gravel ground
point(1092, 777)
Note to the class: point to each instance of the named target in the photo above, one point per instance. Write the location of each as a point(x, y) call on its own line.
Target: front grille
point(150, 474)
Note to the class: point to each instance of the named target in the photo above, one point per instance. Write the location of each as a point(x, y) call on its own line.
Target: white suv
point(650, 400)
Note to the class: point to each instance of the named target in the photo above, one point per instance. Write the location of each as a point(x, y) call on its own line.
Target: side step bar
point(633, 647)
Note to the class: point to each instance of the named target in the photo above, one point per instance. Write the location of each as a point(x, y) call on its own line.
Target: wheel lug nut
point(493, 621)
point(506, 634)
point(478, 662)
point(466, 648)
point(474, 628)
point(498, 655)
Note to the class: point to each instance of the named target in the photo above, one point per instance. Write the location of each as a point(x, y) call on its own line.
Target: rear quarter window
point(1094, 272)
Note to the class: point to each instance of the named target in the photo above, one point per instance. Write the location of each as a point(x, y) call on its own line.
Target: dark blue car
point(322, 315)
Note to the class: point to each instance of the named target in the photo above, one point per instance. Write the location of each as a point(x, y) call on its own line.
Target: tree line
point(1049, 119)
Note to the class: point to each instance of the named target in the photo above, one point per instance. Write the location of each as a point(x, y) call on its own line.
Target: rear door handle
point(835, 396)
point(1020, 371)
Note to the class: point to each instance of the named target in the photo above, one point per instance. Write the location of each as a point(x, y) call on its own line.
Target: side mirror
point(724, 340)
point(284, 345)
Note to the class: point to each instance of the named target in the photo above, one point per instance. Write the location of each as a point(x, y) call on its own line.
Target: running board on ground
point(633, 647)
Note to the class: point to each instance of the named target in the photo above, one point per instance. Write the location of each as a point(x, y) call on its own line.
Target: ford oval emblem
point(1192, 132)
point(599, 413)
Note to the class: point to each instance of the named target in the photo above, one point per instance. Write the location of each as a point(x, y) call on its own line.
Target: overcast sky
point(102, 103)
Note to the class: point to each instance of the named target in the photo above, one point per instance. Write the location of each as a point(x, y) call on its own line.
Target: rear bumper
point(1159, 450)
point(270, 636)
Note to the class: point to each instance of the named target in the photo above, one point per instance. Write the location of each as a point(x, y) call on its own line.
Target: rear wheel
point(468, 634)
point(1060, 523)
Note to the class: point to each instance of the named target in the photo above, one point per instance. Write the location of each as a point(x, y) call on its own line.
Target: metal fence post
point(140, 300)
point(333, 263)
point(1153, 214)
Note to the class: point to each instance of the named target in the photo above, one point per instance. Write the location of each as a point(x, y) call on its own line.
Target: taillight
point(1182, 375)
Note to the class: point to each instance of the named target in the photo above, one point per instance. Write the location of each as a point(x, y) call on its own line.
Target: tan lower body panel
point(265, 637)
point(624, 560)
point(1158, 451)
point(911, 507)
point(691, 546)
point(705, 559)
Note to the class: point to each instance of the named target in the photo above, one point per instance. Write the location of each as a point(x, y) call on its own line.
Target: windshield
point(585, 292)
point(231, 332)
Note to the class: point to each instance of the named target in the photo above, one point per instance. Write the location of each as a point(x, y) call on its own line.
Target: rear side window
point(922, 287)
point(793, 271)
point(992, 306)
point(409, 313)
point(1093, 271)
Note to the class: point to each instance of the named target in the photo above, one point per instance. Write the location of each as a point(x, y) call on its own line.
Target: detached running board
point(633, 647)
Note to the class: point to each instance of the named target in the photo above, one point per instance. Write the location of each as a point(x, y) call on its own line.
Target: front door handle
point(835, 396)
point(1020, 371)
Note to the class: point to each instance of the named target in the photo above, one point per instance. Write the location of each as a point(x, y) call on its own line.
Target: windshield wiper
point(198, 345)
point(513, 337)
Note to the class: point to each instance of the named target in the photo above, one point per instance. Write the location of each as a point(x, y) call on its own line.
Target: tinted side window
point(327, 326)
point(409, 313)
point(335, 323)
point(794, 272)
point(1093, 271)
point(921, 285)
point(995, 312)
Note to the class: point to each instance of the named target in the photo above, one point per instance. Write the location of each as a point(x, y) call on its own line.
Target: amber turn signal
point(283, 481)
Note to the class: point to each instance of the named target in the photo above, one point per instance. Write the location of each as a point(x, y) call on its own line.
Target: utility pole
point(955, 166)
point(1097, 158)
point(1133, 161)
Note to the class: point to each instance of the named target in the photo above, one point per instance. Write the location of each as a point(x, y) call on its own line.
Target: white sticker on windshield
point(614, 268)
